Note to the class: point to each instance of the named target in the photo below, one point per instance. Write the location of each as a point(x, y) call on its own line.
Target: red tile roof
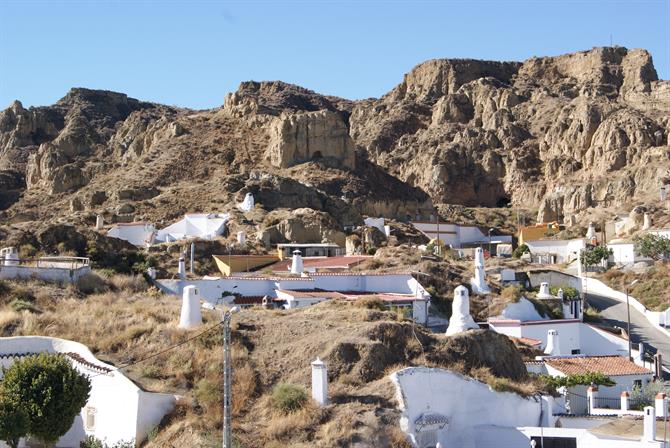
point(607, 365)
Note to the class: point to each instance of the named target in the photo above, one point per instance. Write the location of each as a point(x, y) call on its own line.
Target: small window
point(576, 351)
point(90, 418)
point(637, 384)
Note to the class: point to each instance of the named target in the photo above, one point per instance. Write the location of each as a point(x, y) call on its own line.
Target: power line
point(124, 366)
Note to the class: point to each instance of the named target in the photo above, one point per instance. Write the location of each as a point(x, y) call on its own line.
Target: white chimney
point(319, 382)
point(591, 232)
point(560, 294)
point(182, 268)
point(647, 222)
point(387, 231)
point(99, 222)
point(553, 347)
point(478, 283)
point(296, 263)
point(460, 319)
point(190, 308)
point(649, 434)
point(544, 291)
point(241, 237)
point(151, 272)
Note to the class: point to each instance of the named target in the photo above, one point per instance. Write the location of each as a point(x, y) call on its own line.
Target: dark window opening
point(503, 201)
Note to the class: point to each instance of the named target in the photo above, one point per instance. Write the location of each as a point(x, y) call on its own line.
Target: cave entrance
point(503, 201)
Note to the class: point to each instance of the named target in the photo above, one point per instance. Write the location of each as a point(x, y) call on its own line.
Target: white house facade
point(117, 409)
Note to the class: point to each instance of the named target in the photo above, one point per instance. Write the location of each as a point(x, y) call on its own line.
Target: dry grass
point(652, 289)
point(361, 347)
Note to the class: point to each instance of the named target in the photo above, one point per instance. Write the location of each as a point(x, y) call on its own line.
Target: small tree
point(14, 422)
point(652, 246)
point(593, 255)
point(519, 251)
point(51, 391)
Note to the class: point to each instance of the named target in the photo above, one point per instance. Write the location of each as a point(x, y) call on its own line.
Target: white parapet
point(190, 308)
point(320, 382)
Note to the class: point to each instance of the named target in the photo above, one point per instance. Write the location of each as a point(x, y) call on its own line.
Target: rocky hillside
point(556, 134)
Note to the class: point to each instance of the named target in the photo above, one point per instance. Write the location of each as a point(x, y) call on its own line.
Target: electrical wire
point(153, 355)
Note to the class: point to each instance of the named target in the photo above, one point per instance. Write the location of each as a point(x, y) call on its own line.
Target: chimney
point(190, 308)
point(296, 263)
point(649, 434)
point(560, 294)
point(151, 273)
point(99, 222)
point(647, 222)
point(544, 291)
point(553, 347)
point(387, 231)
point(182, 268)
point(319, 382)
point(241, 237)
point(658, 365)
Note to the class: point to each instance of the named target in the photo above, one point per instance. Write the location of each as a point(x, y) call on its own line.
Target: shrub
point(652, 246)
point(91, 283)
point(371, 303)
point(645, 395)
point(92, 442)
point(128, 283)
point(372, 250)
point(519, 251)
point(512, 293)
point(568, 291)
point(27, 251)
point(14, 423)
point(51, 391)
point(288, 398)
point(19, 305)
point(23, 294)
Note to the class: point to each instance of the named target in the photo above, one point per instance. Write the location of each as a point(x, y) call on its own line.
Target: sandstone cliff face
point(298, 138)
point(558, 134)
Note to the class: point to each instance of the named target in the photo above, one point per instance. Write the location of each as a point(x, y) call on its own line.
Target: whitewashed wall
point(565, 250)
point(465, 402)
point(123, 411)
point(139, 235)
point(53, 274)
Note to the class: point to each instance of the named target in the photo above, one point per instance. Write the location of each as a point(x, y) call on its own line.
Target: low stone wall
point(47, 274)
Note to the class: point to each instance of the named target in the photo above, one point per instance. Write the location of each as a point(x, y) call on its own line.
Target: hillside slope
point(557, 134)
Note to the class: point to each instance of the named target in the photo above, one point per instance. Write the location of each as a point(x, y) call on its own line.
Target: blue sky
point(191, 53)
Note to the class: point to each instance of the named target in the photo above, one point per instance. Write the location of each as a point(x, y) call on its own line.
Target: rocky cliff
point(562, 135)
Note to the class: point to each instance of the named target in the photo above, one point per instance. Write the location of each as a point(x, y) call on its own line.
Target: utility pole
point(227, 378)
point(630, 342)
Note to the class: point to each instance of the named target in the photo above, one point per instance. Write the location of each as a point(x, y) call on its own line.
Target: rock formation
point(560, 134)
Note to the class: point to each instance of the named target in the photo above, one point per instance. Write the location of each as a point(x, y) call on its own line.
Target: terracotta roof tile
point(607, 365)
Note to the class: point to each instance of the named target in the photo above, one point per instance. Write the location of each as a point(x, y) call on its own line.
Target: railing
point(607, 402)
point(47, 262)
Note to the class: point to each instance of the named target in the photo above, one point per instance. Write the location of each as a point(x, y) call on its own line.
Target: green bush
point(50, 390)
point(19, 305)
point(92, 442)
point(568, 291)
point(14, 423)
point(652, 246)
point(287, 398)
point(519, 251)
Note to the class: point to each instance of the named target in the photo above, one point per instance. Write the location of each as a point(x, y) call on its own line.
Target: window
point(89, 413)
point(637, 384)
point(576, 351)
point(554, 442)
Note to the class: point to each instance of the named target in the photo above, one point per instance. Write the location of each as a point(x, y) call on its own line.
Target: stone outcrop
point(298, 138)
